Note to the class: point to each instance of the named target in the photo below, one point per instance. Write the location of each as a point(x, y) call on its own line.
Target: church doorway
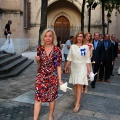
point(62, 28)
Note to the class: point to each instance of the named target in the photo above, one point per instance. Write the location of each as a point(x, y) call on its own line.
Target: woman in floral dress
point(49, 59)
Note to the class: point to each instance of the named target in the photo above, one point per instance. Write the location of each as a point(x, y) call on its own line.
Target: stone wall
point(71, 10)
point(118, 25)
point(23, 39)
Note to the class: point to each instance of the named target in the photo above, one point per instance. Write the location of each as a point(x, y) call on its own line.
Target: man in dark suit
point(115, 51)
point(107, 59)
point(97, 55)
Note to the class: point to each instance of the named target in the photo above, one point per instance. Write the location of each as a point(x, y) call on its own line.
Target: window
point(27, 14)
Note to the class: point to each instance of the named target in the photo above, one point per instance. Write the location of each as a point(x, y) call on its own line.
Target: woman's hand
point(61, 82)
point(37, 59)
point(88, 73)
point(67, 70)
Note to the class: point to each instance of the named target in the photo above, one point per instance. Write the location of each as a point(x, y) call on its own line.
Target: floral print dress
point(46, 84)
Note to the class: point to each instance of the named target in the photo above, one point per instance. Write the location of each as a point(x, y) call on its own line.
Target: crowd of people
point(103, 51)
point(102, 54)
point(83, 55)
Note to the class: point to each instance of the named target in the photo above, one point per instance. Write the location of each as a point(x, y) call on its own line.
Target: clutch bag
point(64, 87)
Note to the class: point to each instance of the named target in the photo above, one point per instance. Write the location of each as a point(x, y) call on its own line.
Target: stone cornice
point(9, 11)
point(34, 25)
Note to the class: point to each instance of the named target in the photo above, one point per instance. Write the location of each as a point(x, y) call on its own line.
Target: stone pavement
point(17, 98)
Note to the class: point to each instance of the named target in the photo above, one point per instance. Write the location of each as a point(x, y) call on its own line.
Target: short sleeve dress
point(79, 56)
point(46, 84)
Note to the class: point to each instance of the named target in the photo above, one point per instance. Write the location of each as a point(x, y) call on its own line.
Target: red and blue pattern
point(46, 84)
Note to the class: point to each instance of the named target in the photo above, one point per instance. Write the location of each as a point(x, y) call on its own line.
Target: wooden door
point(62, 28)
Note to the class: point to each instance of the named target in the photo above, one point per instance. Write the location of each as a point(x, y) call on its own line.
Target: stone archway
point(62, 28)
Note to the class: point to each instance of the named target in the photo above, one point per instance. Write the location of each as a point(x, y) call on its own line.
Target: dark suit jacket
point(115, 48)
point(108, 54)
point(98, 53)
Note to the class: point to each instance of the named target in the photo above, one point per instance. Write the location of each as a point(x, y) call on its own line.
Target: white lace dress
point(79, 56)
point(8, 46)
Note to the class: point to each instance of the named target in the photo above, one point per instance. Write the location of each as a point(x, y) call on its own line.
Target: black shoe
point(99, 80)
point(92, 86)
point(112, 74)
point(107, 81)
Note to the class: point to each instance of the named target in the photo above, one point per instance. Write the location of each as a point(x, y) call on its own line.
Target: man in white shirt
point(67, 47)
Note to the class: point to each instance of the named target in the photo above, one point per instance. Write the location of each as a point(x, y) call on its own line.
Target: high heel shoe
point(86, 90)
point(75, 110)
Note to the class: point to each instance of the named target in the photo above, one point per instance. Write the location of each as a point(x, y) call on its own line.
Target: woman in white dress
point(8, 46)
point(79, 61)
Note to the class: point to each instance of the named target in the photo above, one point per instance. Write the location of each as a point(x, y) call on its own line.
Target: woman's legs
point(37, 107)
point(83, 88)
point(51, 107)
point(86, 89)
point(78, 97)
point(75, 89)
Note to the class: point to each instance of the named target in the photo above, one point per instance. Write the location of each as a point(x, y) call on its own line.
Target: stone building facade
point(63, 15)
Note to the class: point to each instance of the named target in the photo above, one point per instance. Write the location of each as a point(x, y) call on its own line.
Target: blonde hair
point(75, 39)
point(44, 33)
point(90, 36)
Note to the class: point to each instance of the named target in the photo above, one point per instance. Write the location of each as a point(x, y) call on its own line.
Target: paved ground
point(17, 97)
